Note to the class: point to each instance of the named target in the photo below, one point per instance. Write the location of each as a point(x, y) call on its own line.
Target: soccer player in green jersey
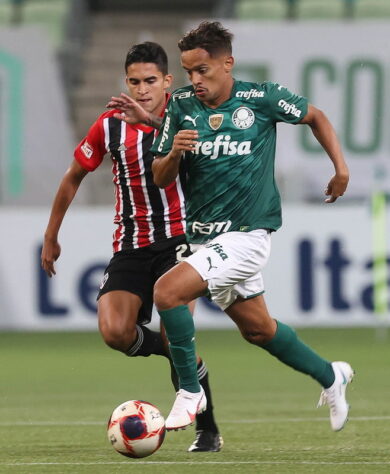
point(224, 131)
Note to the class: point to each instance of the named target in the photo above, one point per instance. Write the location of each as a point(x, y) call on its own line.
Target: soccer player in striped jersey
point(150, 223)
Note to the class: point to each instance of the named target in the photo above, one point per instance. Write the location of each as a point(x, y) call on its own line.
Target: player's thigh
point(168, 258)
point(180, 285)
point(252, 318)
point(118, 309)
point(164, 264)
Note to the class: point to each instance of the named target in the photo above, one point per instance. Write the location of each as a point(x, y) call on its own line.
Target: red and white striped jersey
point(145, 214)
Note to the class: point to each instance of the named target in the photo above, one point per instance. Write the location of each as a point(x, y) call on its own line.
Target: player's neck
point(159, 110)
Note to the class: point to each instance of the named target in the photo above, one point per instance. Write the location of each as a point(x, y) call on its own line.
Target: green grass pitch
point(57, 391)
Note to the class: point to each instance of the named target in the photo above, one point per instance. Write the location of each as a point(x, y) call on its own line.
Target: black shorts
point(137, 271)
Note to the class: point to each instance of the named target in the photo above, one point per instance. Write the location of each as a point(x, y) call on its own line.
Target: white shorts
point(232, 263)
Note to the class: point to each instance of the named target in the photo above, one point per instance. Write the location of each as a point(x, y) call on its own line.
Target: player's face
point(147, 85)
point(211, 76)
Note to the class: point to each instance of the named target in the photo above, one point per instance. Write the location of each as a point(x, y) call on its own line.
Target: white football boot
point(187, 405)
point(334, 396)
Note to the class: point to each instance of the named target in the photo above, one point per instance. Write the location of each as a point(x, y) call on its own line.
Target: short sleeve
point(169, 127)
point(90, 152)
point(284, 105)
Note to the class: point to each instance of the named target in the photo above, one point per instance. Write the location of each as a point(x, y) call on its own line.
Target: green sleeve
point(283, 105)
point(169, 127)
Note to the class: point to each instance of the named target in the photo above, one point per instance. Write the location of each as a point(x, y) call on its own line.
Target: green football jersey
point(230, 174)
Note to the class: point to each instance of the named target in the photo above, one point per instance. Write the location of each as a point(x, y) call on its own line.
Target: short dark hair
point(148, 52)
point(210, 36)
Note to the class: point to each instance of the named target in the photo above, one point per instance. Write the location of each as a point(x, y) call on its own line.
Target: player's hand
point(131, 111)
point(51, 250)
point(185, 140)
point(336, 187)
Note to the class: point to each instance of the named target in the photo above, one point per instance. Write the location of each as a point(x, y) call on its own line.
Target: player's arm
point(166, 168)
point(66, 192)
point(325, 134)
point(132, 112)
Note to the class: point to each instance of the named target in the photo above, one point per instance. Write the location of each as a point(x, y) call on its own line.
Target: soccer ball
point(136, 429)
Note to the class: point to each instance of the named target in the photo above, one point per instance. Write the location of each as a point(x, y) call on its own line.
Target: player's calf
point(147, 343)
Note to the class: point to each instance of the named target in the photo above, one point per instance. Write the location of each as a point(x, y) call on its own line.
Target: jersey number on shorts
point(182, 252)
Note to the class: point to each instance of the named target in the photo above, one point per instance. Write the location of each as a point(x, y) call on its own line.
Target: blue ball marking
point(133, 427)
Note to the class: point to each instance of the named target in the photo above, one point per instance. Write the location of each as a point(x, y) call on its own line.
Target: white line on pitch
point(315, 463)
point(26, 423)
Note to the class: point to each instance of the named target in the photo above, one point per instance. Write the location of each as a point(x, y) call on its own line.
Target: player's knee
point(258, 337)
point(165, 297)
point(116, 336)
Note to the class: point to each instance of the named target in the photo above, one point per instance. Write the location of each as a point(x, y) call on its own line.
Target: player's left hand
point(336, 187)
point(131, 111)
point(51, 250)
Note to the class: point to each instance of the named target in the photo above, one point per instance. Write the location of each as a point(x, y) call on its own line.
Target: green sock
point(180, 330)
point(290, 350)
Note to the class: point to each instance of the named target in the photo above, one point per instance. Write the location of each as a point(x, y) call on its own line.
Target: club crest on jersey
point(215, 121)
point(87, 150)
point(243, 118)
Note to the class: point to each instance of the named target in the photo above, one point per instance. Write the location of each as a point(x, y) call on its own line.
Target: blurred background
point(60, 62)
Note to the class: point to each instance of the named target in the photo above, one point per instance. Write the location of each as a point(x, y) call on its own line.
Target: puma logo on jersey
point(190, 119)
point(210, 264)
point(289, 108)
point(223, 144)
